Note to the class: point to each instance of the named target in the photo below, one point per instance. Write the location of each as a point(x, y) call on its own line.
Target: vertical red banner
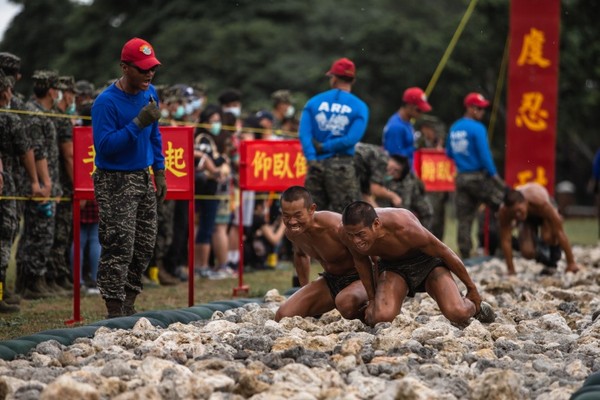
point(532, 92)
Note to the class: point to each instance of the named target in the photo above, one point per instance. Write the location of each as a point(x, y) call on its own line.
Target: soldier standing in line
point(15, 148)
point(332, 123)
point(59, 272)
point(33, 250)
point(127, 142)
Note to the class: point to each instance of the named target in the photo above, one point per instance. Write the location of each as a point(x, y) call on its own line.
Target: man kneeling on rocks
point(410, 259)
point(314, 234)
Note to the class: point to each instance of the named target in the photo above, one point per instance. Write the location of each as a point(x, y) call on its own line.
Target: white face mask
point(289, 113)
point(59, 97)
point(237, 111)
point(164, 113)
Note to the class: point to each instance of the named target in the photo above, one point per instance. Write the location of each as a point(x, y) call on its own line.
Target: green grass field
point(39, 315)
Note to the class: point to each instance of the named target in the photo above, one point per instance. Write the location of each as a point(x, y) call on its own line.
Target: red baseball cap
point(477, 100)
point(342, 67)
point(416, 96)
point(139, 53)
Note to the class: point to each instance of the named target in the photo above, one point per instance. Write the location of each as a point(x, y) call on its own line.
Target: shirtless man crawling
point(539, 225)
point(314, 234)
point(411, 259)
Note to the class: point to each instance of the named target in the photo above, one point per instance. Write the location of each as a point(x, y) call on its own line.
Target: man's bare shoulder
point(328, 218)
point(394, 214)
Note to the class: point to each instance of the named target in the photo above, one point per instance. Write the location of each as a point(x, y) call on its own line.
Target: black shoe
point(486, 314)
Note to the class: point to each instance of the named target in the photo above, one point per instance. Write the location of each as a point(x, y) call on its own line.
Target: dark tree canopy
point(260, 46)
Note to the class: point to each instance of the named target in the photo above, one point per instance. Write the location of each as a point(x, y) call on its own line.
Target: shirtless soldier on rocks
point(540, 227)
point(411, 260)
point(314, 234)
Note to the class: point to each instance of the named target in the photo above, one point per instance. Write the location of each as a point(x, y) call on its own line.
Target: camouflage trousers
point(59, 263)
point(472, 190)
point(438, 202)
point(8, 231)
point(126, 229)
point(164, 237)
point(33, 250)
point(333, 183)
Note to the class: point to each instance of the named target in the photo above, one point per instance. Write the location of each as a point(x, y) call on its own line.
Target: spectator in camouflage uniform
point(371, 162)
point(429, 135)
point(15, 149)
point(33, 251)
point(477, 180)
point(332, 123)
point(84, 98)
point(59, 272)
point(410, 188)
point(127, 142)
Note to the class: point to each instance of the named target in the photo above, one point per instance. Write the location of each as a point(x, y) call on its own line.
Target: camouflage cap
point(44, 78)
point(9, 61)
point(281, 96)
point(84, 87)
point(66, 83)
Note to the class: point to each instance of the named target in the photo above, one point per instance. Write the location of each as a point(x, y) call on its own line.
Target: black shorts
point(414, 270)
point(337, 283)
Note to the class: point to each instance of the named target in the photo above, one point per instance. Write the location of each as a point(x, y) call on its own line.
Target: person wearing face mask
point(283, 109)
point(34, 247)
point(59, 277)
point(231, 102)
point(212, 171)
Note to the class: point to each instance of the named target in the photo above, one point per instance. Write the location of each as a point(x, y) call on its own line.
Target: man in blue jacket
point(127, 142)
point(332, 123)
point(477, 180)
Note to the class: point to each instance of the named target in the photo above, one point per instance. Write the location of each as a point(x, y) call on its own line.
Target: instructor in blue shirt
point(331, 124)
point(127, 143)
point(477, 180)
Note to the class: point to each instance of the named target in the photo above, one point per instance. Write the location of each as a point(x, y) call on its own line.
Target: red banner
point(178, 150)
point(532, 92)
point(271, 165)
point(435, 169)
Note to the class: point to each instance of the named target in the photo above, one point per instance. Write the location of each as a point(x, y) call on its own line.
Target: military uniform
point(370, 162)
point(412, 191)
point(39, 223)
point(13, 143)
point(59, 270)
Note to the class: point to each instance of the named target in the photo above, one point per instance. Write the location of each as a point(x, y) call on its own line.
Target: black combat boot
point(114, 308)
point(129, 303)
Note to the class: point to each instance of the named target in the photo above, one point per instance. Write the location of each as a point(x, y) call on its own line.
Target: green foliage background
point(260, 46)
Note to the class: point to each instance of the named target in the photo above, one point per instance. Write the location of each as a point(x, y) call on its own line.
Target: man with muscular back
point(541, 233)
point(411, 260)
point(314, 234)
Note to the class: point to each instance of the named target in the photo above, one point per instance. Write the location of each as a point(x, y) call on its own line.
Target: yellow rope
point(450, 48)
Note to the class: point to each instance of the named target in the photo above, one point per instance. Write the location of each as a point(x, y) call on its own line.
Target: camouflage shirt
point(43, 136)
point(13, 144)
point(64, 134)
point(370, 162)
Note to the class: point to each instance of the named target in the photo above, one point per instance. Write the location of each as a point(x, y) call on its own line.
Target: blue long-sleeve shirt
point(468, 146)
point(119, 144)
point(399, 138)
point(335, 118)
point(596, 166)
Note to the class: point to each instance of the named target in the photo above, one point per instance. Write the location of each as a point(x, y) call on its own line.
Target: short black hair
point(294, 193)
point(513, 197)
point(359, 212)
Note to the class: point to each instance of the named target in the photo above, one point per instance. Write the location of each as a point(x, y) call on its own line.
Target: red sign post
point(267, 165)
point(532, 92)
point(179, 171)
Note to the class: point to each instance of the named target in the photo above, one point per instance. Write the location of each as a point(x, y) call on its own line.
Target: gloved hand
point(318, 146)
point(161, 184)
point(148, 115)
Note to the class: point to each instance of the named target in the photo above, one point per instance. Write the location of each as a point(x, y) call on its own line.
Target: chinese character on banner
point(271, 164)
point(435, 169)
point(532, 52)
point(532, 89)
point(174, 160)
point(531, 114)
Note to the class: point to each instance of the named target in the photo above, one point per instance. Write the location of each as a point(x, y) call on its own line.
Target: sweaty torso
point(322, 243)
